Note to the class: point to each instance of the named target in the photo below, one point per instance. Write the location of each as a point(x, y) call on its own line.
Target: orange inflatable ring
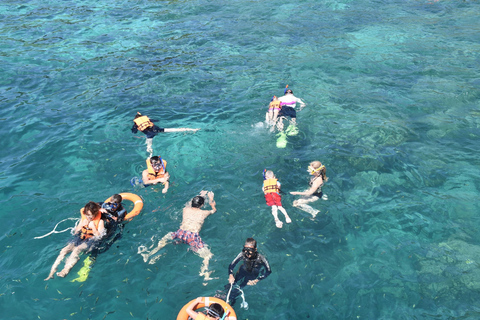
point(207, 301)
point(137, 204)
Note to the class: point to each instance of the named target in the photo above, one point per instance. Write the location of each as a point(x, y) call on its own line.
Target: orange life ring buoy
point(137, 204)
point(207, 301)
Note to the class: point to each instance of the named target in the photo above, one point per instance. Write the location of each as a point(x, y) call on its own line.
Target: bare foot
point(278, 223)
point(62, 274)
point(288, 220)
point(165, 190)
point(50, 276)
point(154, 259)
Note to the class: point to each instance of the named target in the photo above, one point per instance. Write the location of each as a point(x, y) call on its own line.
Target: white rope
point(244, 304)
point(228, 295)
point(55, 229)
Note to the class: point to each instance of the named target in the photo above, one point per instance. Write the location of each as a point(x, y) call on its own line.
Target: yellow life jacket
point(275, 105)
point(155, 175)
point(143, 123)
point(86, 232)
point(270, 185)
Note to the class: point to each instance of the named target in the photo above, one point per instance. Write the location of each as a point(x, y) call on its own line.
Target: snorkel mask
point(111, 206)
point(157, 165)
point(312, 170)
point(213, 313)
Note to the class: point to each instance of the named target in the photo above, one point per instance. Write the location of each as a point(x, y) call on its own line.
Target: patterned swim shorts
point(190, 238)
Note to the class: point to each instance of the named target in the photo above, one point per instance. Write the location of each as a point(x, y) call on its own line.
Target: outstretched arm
point(264, 273)
point(232, 266)
point(180, 129)
point(316, 184)
point(302, 104)
point(212, 202)
point(190, 309)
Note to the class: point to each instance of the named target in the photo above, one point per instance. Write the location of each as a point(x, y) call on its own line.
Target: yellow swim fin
point(83, 273)
point(282, 140)
point(292, 130)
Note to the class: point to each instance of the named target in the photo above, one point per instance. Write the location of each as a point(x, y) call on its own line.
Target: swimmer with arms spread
point(146, 125)
point(192, 222)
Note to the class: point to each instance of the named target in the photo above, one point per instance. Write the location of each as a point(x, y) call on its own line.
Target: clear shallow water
point(392, 111)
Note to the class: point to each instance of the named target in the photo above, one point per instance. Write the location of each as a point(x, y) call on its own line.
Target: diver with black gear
point(255, 267)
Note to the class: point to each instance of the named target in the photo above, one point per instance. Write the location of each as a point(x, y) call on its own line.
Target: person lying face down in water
point(146, 125)
point(87, 234)
point(192, 222)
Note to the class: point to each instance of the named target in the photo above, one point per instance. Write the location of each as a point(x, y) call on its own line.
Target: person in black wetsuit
point(113, 210)
point(255, 267)
point(146, 125)
point(113, 214)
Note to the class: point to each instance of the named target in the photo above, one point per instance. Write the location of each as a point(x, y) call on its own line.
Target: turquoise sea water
point(393, 111)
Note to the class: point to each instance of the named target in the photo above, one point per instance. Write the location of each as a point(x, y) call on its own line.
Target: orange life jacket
point(86, 232)
point(270, 185)
point(143, 123)
point(155, 175)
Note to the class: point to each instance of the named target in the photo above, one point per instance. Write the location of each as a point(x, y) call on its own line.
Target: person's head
point(215, 311)
point(198, 201)
point(116, 198)
point(250, 248)
point(114, 203)
point(269, 174)
point(91, 210)
point(288, 91)
point(316, 168)
point(138, 115)
point(157, 163)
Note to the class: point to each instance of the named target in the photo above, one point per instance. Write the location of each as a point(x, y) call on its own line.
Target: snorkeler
point(255, 267)
point(271, 189)
point(214, 312)
point(156, 172)
point(87, 234)
point(319, 177)
point(113, 211)
point(192, 222)
point(289, 102)
point(146, 125)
